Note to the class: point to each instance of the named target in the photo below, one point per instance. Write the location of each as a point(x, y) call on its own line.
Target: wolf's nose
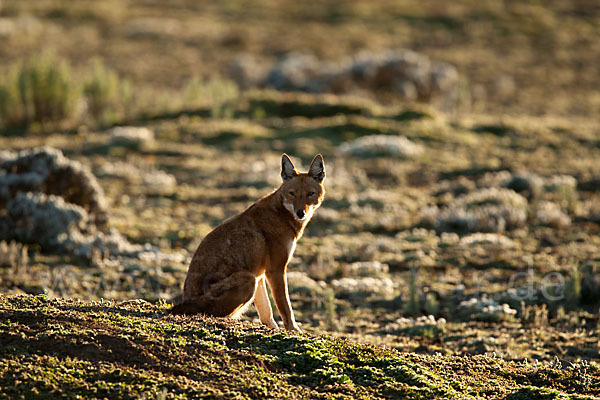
point(300, 213)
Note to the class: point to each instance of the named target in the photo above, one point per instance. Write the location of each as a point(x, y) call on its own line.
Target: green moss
point(133, 349)
point(536, 393)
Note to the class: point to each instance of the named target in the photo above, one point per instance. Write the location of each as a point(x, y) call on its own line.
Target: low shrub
point(40, 91)
point(106, 93)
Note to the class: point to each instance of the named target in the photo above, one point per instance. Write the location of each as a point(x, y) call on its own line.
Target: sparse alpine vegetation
point(133, 350)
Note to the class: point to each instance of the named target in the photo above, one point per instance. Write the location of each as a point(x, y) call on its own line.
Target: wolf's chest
point(291, 246)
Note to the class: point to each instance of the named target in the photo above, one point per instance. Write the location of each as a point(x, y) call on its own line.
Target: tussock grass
point(39, 91)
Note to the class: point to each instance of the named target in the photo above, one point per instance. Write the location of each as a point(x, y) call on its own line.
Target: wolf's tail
point(187, 308)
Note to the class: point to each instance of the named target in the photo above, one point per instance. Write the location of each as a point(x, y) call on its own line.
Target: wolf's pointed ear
point(317, 168)
point(288, 171)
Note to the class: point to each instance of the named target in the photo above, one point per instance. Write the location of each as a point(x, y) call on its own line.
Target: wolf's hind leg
point(228, 296)
point(221, 297)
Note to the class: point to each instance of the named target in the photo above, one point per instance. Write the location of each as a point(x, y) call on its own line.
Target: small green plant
point(534, 315)
point(47, 93)
point(330, 313)
point(540, 315)
point(215, 93)
point(573, 287)
point(432, 305)
point(412, 306)
point(104, 92)
point(11, 112)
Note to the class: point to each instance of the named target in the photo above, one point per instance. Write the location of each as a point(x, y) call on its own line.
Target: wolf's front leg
point(278, 283)
point(263, 305)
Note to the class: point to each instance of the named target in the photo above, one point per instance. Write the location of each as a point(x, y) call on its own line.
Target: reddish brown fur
point(229, 267)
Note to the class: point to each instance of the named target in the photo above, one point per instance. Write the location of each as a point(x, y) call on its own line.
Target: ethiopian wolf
point(234, 262)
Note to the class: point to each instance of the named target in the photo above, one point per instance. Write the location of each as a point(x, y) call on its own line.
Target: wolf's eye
point(310, 193)
point(292, 193)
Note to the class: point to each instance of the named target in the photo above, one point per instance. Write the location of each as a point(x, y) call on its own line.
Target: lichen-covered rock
point(56, 225)
point(457, 187)
point(550, 214)
point(407, 74)
point(57, 203)
point(368, 268)
point(131, 136)
point(296, 71)
point(47, 220)
point(528, 184)
point(485, 309)
point(300, 282)
point(381, 145)
point(47, 170)
point(159, 181)
point(106, 243)
point(120, 169)
point(494, 179)
point(247, 71)
point(422, 320)
point(425, 325)
point(484, 210)
point(410, 74)
point(488, 240)
point(364, 285)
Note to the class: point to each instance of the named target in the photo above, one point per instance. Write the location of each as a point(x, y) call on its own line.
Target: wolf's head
point(302, 192)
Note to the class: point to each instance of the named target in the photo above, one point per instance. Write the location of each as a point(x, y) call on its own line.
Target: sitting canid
point(231, 265)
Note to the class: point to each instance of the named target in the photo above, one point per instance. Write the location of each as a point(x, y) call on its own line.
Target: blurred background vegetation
point(518, 57)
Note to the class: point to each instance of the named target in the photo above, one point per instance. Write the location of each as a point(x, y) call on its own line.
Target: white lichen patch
point(487, 239)
point(484, 210)
point(382, 145)
point(131, 135)
point(47, 170)
point(364, 285)
point(550, 214)
point(364, 268)
point(485, 309)
point(300, 282)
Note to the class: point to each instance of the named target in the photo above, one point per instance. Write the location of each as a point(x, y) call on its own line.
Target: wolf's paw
point(294, 327)
point(271, 324)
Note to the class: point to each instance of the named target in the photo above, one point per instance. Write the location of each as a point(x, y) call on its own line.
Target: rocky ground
point(489, 227)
